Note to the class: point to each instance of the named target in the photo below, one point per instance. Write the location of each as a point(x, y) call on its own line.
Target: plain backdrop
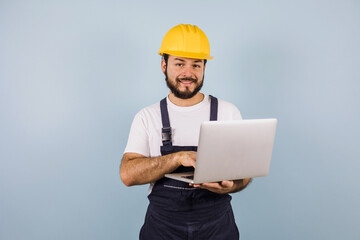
point(74, 73)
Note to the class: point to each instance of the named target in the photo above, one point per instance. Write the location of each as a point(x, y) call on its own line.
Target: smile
point(186, 82)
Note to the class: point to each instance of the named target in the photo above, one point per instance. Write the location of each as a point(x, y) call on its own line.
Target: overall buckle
point(166, 134)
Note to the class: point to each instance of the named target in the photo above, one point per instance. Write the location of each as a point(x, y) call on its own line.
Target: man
point(163, 139)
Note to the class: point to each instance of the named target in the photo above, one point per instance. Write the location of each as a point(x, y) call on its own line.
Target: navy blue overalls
point(178, 211)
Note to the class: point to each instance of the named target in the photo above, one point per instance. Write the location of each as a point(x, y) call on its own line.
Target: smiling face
point(184, 76)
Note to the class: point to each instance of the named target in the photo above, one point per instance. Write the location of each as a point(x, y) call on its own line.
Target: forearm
point(136, 169)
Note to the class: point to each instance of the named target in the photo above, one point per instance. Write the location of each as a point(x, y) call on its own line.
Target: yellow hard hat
point(186, 41)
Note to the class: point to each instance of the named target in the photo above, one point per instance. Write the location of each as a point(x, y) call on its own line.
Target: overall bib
point(179, 211)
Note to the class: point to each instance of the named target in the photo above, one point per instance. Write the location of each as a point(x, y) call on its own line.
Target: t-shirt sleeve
point(138, 141)
point(228, 111)
point(236, 114)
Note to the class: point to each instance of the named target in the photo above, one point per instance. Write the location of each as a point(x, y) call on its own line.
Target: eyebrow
point(198, 60)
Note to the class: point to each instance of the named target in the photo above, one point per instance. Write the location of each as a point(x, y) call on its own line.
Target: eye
point(178, 64)
point(196, 66)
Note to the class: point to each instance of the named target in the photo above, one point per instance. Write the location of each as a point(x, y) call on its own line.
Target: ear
point(163, 65)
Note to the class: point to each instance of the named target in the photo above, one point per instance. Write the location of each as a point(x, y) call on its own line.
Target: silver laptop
point(230, 150)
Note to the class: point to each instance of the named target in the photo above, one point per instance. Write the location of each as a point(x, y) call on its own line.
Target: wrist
point(237, 185)
point(240, 184)
point(176, 159)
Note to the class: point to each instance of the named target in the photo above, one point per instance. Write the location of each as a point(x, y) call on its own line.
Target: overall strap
point(166, 129)
point(213, 108)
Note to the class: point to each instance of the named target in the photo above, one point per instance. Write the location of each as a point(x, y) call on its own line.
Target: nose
point(187, 73)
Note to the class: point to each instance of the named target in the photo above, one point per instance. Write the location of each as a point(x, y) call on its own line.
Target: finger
point(193, 159)
point(214, 185)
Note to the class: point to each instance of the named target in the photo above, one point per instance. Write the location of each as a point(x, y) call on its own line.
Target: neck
point(186, 102)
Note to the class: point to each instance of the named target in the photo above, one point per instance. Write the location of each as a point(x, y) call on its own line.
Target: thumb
point(193, 163)
point(227, 183)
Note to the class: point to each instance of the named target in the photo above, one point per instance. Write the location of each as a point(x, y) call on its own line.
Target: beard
point(174, 87)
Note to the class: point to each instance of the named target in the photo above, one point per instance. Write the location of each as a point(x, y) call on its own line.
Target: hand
point(186, 158)
point(222, 187)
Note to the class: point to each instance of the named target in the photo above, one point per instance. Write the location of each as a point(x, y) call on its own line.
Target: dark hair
point(166, 57)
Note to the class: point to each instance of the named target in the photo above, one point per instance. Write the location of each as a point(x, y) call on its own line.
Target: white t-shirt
point(145, 134)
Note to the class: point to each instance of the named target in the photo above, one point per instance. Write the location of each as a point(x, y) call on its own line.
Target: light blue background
point(74, 73)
